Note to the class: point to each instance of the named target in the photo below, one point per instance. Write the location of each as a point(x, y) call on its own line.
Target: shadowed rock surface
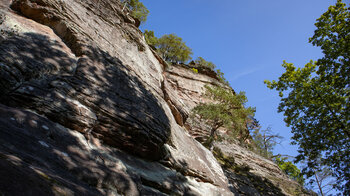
point(87, 107)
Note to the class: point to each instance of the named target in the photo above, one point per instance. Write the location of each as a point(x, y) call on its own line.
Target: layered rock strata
point(88, 108)
point(84, 66)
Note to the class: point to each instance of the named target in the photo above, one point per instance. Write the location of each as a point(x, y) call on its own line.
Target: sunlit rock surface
point(88, 108)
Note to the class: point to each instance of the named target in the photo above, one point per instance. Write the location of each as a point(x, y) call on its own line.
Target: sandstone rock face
point(87, 107)
point(84, 67)
point(262, 177)
point(184, 89)
point(99, 89)
point(40, 157)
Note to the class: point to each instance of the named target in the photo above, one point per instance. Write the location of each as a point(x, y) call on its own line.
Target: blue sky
point(247, 40)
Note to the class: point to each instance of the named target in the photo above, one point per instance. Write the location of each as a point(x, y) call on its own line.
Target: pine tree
point(227, 110)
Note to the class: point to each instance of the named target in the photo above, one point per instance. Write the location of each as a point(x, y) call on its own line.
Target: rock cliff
point(88, 108)
point(249, 173)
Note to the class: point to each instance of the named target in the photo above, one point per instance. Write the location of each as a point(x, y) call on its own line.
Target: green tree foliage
point(150, 38)
point(202, 62)
point(170, 47)
point(227, 110)
point(138, 10)
point(173, 49)
point(221, 76)
point(290, 169)
point(317, 107)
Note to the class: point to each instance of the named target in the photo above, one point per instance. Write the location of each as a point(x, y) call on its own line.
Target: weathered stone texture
point(94, 88)
point(87, 107)
point(264, 176)
point(85, 67)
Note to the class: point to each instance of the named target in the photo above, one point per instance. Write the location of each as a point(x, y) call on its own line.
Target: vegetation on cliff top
point(170, 47)
point(150, 38)
point(317, 105)
point(173, 50)
point(201, 61)
point(138, 10)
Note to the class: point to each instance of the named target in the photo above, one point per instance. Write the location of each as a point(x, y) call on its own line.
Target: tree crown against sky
point(138, 10)
point(150, 38)
point(317, 105)
point(202, 62)
point(170, 47)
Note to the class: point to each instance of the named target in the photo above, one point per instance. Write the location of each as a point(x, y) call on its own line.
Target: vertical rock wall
point(84, 101)
point(88, 109)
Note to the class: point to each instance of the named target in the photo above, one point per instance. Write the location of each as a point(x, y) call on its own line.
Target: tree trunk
point(319, 184)
point(212, 135)
point(211, 138)
point(212, 132)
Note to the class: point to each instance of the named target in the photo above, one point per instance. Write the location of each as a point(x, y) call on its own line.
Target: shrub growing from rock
point(227, 110)
point(138, 10)
point(202, 62)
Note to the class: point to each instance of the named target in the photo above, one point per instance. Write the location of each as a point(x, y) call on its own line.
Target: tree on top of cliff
point(318, 103)
point(202, 62)
point(150, 38)
point(221, 76)
point(138, 10)
point(227, 110)
point(173, 49)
